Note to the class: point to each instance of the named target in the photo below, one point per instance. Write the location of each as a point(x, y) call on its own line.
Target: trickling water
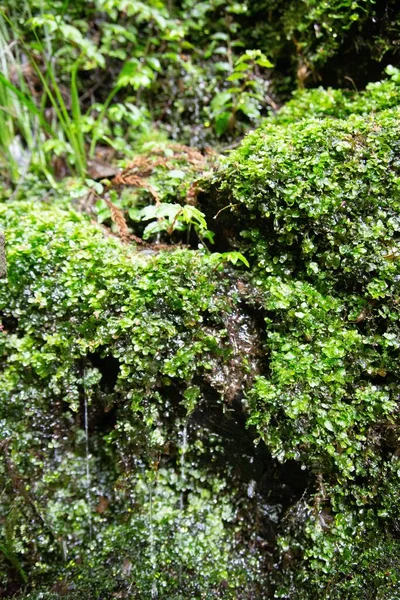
point(151, 532)
point(183, 463)
point(184, 446)
point(153, 558)
point(87, 459)
point(151, 478)
point(64, 549)
point(154, 590)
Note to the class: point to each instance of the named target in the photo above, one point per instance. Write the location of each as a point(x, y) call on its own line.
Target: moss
point(319, 198)
point(314, 204)
point(338, 103)
point(104, 350)
point(124, 372)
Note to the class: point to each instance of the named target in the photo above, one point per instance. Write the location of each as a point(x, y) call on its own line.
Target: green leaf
point(236, 76)
point(220, 100)
point(222, 122)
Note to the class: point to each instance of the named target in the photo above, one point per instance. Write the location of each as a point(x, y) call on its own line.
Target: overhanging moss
point(321, 103)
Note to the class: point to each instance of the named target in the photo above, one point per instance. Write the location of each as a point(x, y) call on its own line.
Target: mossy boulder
point(315, 206)
point(113, 483)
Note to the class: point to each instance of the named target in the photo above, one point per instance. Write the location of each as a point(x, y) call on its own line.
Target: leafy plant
point(246, 95)
point(66, 134)
point(19, 117)
point(173, 217)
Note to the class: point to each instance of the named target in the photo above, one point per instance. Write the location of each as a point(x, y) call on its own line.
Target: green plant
point(18, 115)
point(246, 95)
point(173, 217)
point(66, 135)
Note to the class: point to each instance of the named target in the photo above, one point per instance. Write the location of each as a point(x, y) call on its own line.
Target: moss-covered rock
point(315, 205)
point(111, 485)
point(125, 370)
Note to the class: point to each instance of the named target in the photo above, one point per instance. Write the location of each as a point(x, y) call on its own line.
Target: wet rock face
point(232, 377)
point(3, 262)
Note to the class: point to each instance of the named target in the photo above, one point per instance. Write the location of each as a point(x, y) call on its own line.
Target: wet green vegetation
point(315, 207)
point(199, 323)
point(114, 428)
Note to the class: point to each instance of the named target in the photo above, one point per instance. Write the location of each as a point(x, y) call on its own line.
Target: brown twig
point(117, 216)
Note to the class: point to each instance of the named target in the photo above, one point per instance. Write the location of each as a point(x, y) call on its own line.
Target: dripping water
point(87, 460)
point(153, 560)
point(184, 446)
point(183, 464)
point(152, 482)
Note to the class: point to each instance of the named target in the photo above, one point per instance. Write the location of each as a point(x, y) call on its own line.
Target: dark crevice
point(222, 220)
point(14, 584)
point(256, 312)
point(104, 419)
point(102, 412)
point(109, 368)
point(9, 323)
point(266, 489)
point(245, 456)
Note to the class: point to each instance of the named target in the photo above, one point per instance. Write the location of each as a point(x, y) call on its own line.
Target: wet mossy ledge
point(175, 428)
point(107, 355)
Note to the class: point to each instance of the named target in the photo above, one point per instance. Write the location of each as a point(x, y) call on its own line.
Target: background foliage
point(76, 75)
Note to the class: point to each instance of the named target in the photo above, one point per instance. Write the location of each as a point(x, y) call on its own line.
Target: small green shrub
point(156, 193)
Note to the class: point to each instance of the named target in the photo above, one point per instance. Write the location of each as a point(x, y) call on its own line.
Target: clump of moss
point(321, 103)
point(315, 205)
point(105, 351)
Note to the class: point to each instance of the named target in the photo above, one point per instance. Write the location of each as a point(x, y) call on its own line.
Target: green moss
point(92, 326)
point(141, 340)
point(320, 198)
point(338, 103)
point(315, 205)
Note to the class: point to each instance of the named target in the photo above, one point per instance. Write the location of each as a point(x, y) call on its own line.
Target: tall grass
point(18, 114)
point(25, 126)
point(46, 119)
point(69, 124)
